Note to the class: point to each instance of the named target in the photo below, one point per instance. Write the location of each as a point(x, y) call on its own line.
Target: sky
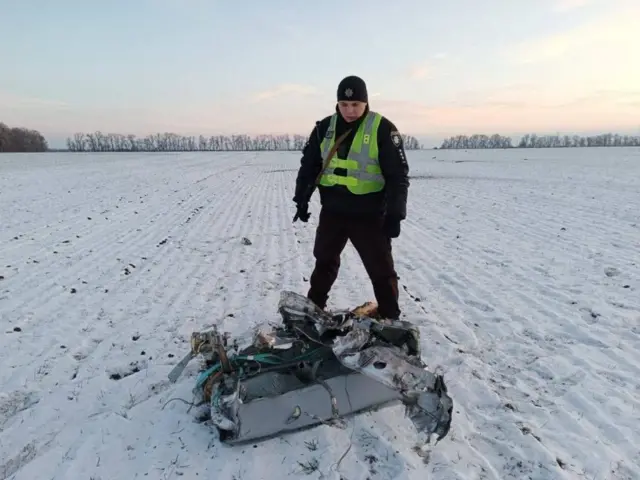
point(212, 67)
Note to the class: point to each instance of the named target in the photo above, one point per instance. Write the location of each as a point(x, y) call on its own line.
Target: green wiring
point(262, 358)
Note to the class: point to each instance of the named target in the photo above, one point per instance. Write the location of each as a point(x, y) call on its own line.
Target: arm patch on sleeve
point(396, 139)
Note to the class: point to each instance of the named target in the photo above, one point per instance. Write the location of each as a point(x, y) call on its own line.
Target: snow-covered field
point(521, 267)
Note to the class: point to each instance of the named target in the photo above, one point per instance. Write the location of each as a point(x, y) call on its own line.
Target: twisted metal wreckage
point(315, 368)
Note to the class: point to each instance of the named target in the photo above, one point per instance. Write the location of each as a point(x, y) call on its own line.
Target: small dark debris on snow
point(120, 375)
point(509, 406)
point(66, 241)
point(88, 218)
point(242, 270)
point(132, 265)
point(73, 290)
point(561, 463)
point(106, 290)
point(171, 355)
point(135, 338)
point(1, 277)
point(413, 297)
point(563, 229)
point(127, 271)
point(624, 286)
point(162, 242)
point(246, 241)
point(143, 352)
point(17, 329)
point(230, 315)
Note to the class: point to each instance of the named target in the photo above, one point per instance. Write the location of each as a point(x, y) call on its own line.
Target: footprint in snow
point(15, 402)
point(123, 371)
point(611, 272)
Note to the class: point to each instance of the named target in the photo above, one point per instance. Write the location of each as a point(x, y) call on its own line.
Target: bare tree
point(171, 142)
point(532, 140)
point(477, 141)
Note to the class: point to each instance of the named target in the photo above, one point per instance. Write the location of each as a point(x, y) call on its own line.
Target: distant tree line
point(171, 142)
point(411, 143)
point(531, 140)
point(18, 139)
point(477, 141)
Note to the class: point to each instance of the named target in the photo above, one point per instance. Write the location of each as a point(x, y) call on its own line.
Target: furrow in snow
point(49, 296)
point(535, 327)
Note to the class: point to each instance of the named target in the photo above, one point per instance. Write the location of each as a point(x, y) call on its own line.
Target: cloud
point(419, 72)
point(427, 69)
point(287, 89)
point(609, 35)
point(517, 108)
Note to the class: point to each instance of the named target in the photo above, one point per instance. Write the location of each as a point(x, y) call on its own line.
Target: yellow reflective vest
point(363, 174)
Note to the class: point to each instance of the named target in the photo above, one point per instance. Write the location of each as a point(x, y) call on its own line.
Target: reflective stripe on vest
point(363, 174)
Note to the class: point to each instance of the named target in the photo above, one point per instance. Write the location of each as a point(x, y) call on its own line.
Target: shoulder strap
point(332, 152)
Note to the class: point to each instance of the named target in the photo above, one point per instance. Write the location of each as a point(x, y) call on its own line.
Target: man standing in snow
point(356, 159)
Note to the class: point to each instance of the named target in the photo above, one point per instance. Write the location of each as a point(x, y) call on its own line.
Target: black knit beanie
point(352, 89)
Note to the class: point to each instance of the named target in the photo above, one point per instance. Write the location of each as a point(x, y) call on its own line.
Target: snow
point(520, 266)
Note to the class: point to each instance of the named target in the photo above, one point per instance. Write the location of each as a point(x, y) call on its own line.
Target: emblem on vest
point(329, 133)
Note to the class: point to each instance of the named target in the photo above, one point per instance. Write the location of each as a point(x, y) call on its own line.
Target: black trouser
point(373, 246)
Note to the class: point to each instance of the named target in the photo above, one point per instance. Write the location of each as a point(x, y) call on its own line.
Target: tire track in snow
point(165, 316)
point(118, 350)
point(101, 199)
point(51, 299)
point(515, 398)
point(114, 236)
point(529, 350)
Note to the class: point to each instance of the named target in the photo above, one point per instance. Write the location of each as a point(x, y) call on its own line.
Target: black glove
point(302, 212)
point(391, 227)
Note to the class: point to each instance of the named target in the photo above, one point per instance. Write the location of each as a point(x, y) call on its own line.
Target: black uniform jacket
point(391, 201)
